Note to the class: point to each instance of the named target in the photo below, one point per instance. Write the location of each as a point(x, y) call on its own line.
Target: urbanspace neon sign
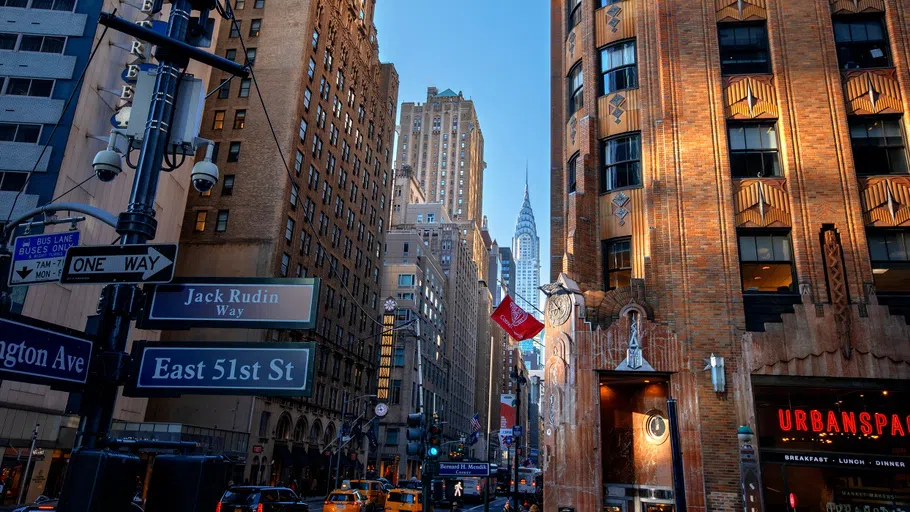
point(847, 422)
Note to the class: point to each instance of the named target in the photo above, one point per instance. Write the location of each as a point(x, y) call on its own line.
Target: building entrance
point(638, 498)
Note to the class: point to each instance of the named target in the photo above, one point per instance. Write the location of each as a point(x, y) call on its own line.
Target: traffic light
point(415, 434)
point(434, 440)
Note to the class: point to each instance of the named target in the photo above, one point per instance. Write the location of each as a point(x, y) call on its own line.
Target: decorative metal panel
point(614, 22)
point(886, 201)
point(872, 92)
point(750, 97)
point(854, 6)
point(761, 203)
point(741, 10)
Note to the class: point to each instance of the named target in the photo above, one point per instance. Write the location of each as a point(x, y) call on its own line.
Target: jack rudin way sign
point(223, 302)
point(847, 422)
point(222, 368)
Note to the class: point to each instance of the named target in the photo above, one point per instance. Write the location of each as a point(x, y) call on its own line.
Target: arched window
point(283, 428)
point(329, 433)
point(300, 429)
point(315, 431)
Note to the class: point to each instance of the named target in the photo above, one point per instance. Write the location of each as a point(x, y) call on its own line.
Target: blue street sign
point(222, 368)
point(232, 303)
point(39, 258)
point(507, 440)
point(42, 353)
point(464, 469)
point(516, 431)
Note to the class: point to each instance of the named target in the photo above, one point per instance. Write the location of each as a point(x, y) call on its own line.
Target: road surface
point(495, 506)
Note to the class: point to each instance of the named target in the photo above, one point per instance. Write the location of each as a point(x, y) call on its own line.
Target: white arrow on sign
point(149, 264)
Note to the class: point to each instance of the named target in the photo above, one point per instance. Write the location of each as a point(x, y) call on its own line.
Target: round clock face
point(656, 428)
point(559, 307)
point(390, 304)
point(382, 410)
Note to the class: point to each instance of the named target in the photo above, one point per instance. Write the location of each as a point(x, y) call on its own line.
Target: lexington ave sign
point(239, 303)
point(41, 353)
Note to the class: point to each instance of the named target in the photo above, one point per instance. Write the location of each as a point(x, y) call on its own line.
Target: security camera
point(205, 173)
point(107, 163)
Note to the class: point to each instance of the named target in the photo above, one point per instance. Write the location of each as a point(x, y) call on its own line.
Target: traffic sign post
point(233, 303)
point(43, 353)
point(221, 368)
point(39, 258)
point(516, 431)
point(106, 264)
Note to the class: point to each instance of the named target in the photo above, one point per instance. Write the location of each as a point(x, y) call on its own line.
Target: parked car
point(345, 501)
point(43, 506)
point(249, 498)
point(404, 500)
point(373, 490)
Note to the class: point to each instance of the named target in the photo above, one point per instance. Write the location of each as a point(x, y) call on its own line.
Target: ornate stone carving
point(854, 6)
point(886, 201)
point(559, 308)
point(837, 289)
point(740, 10)
point(874, 91)
point(634, 360)
point(750, 97)
point(613, 17)
point(619, 203)
point(761, 203)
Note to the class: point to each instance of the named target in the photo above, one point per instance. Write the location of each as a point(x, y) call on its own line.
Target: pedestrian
point(314, 485)
point(294, 485)
point(535, 508)
point(508, 507)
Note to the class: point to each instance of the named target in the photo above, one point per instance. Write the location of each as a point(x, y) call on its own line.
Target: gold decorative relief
point(854, 6)
point(741, 10)
point(614, 23)
point(750, 97)
point(573, 131)
point(886, 201)
point(619, 112)
point(761, 203)
point(573, 48)
point(872, 92)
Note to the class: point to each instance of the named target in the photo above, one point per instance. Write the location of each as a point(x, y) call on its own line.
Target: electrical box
point(99, 481)
point(187, 483)
point(187, 116)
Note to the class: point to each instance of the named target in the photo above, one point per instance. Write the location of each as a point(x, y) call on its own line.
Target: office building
point(526, 251)
point(728, 189)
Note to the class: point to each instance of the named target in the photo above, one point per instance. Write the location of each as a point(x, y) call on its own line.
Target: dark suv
point(271, 499)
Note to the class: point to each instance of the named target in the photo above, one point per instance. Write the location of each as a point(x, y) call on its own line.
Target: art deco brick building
point(730, 229)
point(333, 107)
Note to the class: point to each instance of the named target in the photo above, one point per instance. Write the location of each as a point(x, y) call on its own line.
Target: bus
point(528, 480)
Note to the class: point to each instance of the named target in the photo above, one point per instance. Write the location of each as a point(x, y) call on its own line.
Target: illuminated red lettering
point(849, 421)
point(865, 423)
point(880, 421)
point(832, 422)
point(816, 418)
point(785, 419)
point(800, 420)
point(897, 429)
point(908, 423)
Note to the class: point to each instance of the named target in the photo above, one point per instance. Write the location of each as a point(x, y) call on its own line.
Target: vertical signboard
point(385, 354)
point(506, 415)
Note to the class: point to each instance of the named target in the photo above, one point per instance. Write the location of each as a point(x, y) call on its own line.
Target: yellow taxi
point(372, 489)
point(403, 500)
point(345, 501)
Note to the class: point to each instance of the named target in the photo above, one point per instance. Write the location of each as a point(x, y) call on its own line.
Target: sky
point(497, 53)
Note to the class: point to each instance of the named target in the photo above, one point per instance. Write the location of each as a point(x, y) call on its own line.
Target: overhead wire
point(228, 13)
point(66, 106)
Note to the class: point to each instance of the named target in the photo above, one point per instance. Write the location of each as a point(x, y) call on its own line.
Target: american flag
point(475, 423)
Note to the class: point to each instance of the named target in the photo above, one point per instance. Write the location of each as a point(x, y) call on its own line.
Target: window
point(8, 41)
point(743, 49)
point(264, 424)
point(250, 56)
point(889, 251)
point(231, 55)
point(307, 98)
point(604, 3)
point(245, 87)
point(29, 87)
point(43, 44)
point(311, 69)
point(235, 28)
point(218, 122)
point(289, 230)
point(258, 4)
point(391, 437)
point(55, 5)
point(395, 392)
point(861, 42)
point(618, 262)
point(12, 181)
point(11, 132)
point(224, 91)
point(765, 261)
point(234, 152)
point(574, 13)
point(301, 132)
point(255, 27)
point(285, 262)
point(295, 196)
point(227, 188)
point(622, 163)
point(239, 119)
point(405, 279)
point(576, 89)
point(298, 162)
point(878, 146)
point(201, 216)
point(315, 38)
point(571, 172)
point(398, 356)
point(239, 4)
point(221, 224)
point(753, 150)
point(618, 68)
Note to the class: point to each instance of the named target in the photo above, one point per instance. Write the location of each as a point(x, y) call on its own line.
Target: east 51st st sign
point(225, 302)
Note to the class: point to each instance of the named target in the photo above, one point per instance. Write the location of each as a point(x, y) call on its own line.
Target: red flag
point(516, 321)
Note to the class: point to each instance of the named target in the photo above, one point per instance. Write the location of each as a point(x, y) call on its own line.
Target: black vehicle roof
point(255, 488)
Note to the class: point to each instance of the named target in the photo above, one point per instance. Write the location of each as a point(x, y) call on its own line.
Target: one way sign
point(119, 264)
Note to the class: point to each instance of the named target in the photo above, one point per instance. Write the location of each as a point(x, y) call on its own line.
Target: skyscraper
point(526, 251)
